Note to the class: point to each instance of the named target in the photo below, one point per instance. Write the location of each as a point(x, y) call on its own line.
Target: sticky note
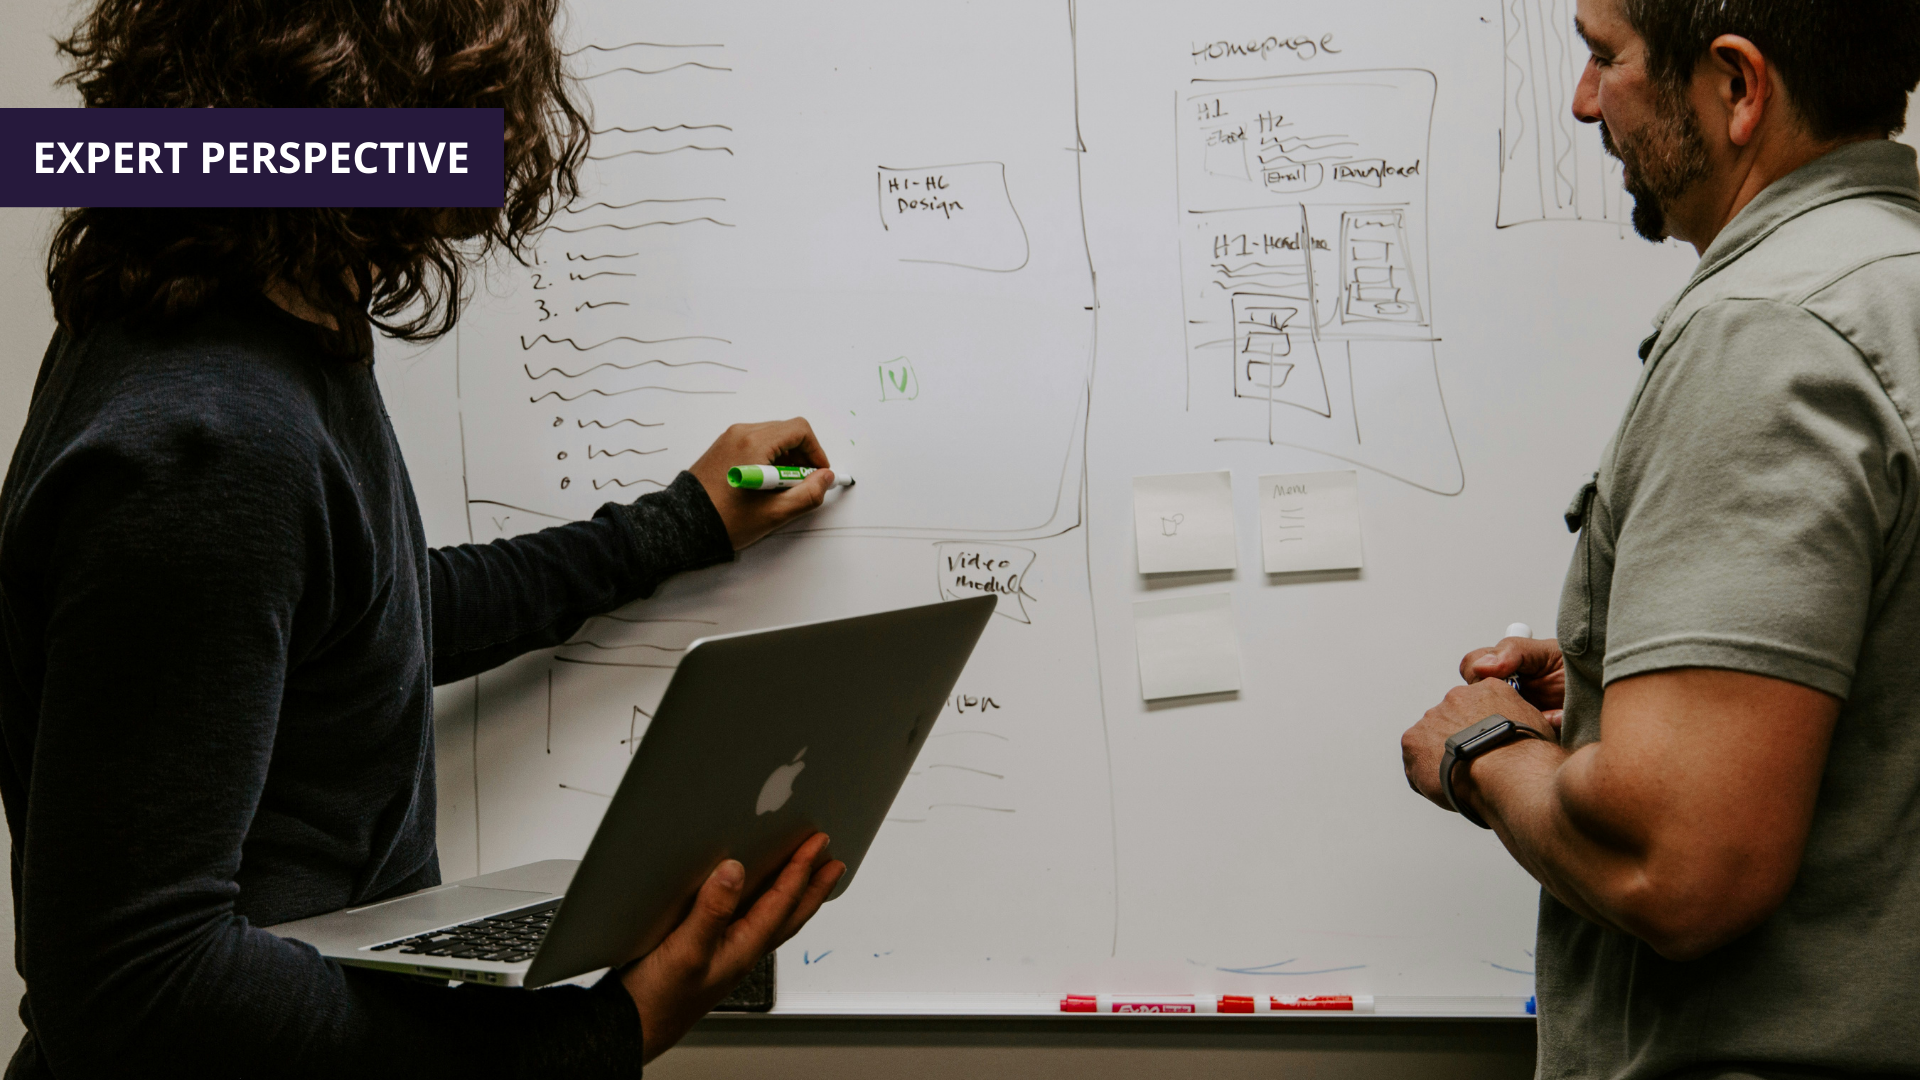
point(1184, 522)
point(1310, 521)
point(1187, 645)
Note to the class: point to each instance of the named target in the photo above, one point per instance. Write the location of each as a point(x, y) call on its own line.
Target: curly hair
point(403, 269)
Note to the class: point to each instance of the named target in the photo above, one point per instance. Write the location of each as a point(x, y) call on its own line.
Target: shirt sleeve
point(493, 602)
point(1755, 495)
point(176, 583)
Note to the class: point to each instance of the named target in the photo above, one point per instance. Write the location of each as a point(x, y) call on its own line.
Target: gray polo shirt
point(1756, 511)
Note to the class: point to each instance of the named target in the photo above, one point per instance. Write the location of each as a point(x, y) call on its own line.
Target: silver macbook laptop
point(761, 740)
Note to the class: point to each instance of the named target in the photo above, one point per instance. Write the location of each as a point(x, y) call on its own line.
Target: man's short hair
point(1848, 65)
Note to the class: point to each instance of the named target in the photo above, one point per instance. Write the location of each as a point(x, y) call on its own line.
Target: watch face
point(1482, 736)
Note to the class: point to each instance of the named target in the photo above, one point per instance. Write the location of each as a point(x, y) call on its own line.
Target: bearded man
point(1714, 772)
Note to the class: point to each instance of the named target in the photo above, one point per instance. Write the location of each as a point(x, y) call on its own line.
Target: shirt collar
point(1869, 167)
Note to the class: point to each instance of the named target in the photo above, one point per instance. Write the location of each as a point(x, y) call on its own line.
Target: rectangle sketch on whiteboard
point(1183, 523)
point(1310, 521)
point(1188, 645)
point(726, 263)
point(727, 260)
point(953, 215)
point(1552, 166)
point(968, 569)
point(1303, 205)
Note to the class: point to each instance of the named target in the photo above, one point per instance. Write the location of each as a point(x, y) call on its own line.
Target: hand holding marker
point(1518, 629)
point(773, 477)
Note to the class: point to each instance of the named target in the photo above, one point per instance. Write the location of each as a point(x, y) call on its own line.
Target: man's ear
point(1745, 83)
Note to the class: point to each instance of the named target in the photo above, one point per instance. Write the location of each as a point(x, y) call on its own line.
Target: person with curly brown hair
point(220, 622)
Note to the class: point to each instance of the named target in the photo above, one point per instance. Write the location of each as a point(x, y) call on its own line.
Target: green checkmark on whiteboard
point(898, 382)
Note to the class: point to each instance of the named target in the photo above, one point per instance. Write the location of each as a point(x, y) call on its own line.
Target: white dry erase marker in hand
point(773, 477)
point(1518, 629)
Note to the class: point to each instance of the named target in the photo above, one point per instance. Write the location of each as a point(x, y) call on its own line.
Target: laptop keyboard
point(509, 938)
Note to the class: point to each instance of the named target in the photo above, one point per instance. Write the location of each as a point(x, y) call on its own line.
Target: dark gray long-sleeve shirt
point(221, 627)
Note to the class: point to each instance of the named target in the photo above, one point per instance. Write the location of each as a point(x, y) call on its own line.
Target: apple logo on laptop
point(779, 786)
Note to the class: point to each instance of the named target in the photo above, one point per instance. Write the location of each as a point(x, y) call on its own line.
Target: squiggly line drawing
point(1308, 142)
point(639, 44)
point(965, 768)
point(615, 424)
point(1563, 121)
point(656, 127)
point(642, 225)
point(642, 202)
point(598, 273)
point(549, 339)
point(597, 485)
point(571, 257)
point(1313, 160)
point(613, 663)
point(589, 305)
point(617, 393)
point(654, 71)
point(628, 367)
point(1521, 88)
point(661, 153)
point(1230, 271)
point(592, 453)
point(1266, 969)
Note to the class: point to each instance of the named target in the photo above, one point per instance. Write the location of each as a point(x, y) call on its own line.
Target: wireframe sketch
point(967, 570)
point(1552, 167)
point(953, 215)
point(727, 262)
point(1303, 203)
point(739, 251)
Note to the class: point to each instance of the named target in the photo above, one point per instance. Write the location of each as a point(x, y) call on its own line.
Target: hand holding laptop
point(731, 771)
point(710, 951)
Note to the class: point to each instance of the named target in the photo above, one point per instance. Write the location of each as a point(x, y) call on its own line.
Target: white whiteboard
point(1193, 236)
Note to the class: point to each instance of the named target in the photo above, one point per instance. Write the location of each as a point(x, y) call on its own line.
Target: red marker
point(1230, 1004)
point(1323, 1003)
point(1125, 1005)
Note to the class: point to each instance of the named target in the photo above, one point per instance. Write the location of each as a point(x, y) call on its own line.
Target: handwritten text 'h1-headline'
point(252, 157)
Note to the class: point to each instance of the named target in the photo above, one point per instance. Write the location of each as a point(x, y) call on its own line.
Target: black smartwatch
point(1469, 743)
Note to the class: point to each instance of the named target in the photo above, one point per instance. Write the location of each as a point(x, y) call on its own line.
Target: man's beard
point(1659, 162)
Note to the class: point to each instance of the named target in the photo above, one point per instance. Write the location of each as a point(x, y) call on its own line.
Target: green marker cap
point(746, 476)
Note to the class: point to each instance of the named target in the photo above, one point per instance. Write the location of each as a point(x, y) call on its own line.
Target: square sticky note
point(1310, 521)
point(1188, 645)
point(1184, 522)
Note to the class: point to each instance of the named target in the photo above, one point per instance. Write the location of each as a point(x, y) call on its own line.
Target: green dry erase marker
point(770, 477)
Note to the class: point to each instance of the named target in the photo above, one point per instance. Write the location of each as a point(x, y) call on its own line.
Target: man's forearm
point(1517, 790)
point(1684, 826)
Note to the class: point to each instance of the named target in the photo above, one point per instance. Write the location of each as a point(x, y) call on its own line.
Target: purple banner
point(252, 157)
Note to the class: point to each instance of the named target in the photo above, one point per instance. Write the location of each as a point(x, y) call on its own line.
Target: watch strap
point(1471, 742)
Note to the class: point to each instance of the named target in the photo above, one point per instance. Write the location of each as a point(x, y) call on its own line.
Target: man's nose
point(1586, 94)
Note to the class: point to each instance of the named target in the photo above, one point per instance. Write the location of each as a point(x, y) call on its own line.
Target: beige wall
point(843, 1050)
